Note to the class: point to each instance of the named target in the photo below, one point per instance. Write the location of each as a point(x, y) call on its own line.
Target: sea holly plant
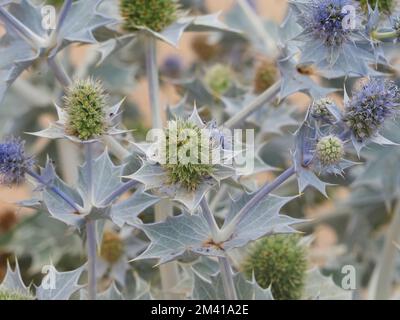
point(209, 198)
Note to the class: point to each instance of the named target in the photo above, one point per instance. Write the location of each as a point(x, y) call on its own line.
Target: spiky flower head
point(218, 79)
point(112, 247)
point(204, 48)
point(375, 101)
point(320, 109)
point(385, 6)
point(326, 21)
point(278, 261)
point(14, 162)
point(186, 145)
point(266, 75)
point(85, 101)
point(152, 14)
point(11, 295)
point(172, 66)
point(330, 150)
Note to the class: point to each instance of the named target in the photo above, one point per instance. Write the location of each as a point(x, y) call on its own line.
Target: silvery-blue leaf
point(320, 287)
point(195, 91)
point(293, 81)
point(127, 211)
point(262, 220)
point(80, 22)
point(112, 293)
point(210, 22)
point(59, 285)
point(13, 281)
point(110, 46)
point(205, 267)
point(212, 288)
point(173, 33)
point(176, 235)
point(106, 179)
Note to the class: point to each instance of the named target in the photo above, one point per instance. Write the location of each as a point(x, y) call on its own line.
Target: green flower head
point(112, 247)
point(12, 295)
point(279, 262)
point(218, 79)
point(186, 144)
point(153, 14)
point(85, 103)
point(330, 150)
point(266, 75)
point(319, 109)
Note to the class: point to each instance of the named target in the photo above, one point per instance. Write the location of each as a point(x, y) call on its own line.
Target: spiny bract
point(85, 101)
point(13, 161)
point(370, 106)
point(330, 150)
point(218, 79)
point(278, 261)
point(153, 14)
point(112, 247)
point(266, 75)
point(182, 137)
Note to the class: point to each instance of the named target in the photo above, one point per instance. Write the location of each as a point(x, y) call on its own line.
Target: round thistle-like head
point(112, 247)
point(85, 102)
point(203, 48)
point(172, 66)
point(218, 79)
point(266, 75)
point(320, 109)
point(8, 219)
point(373, 103)
point(278, 261)
point(326, 21)
point(186, 145)
point(385, 6)
point(153, 14)
point(11, 295)
point(14, 163)
point(330, 150)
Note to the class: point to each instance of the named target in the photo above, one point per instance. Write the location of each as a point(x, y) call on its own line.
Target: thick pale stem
point(69, 160)
point(227, 278)
point(31, 37)
point(91, 255)
point(59, 72)
point(115, 147)
point(259, 101)
point(387, 262)
point(257, 25)
point(153, 81)
point(227, 231)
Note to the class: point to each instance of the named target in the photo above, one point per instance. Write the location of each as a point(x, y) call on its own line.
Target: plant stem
point(59, 72)
point(56, 191)
point(257, 25)
point(29, 36)
point(121, 190)
point(263, 98)
point(387, 262)
point(91, 253)
point(385, 35)
point(257, 198)
point(153, 82)
point(163, 209)
point(227, 278)
point(115, 147)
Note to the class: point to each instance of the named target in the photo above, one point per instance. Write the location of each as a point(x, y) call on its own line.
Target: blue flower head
point(370, 106)
point(13, 161)
point(327, 21)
